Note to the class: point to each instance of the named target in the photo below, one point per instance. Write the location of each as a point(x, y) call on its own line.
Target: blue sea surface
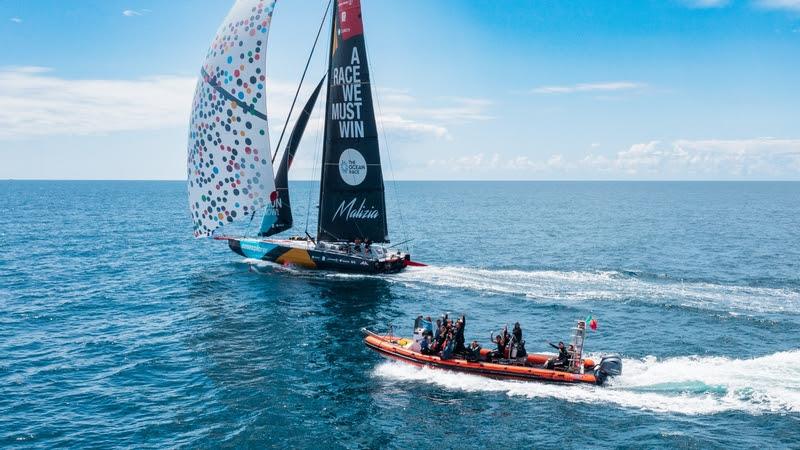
point(119, 329)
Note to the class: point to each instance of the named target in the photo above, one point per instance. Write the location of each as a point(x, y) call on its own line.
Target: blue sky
point(645, 90)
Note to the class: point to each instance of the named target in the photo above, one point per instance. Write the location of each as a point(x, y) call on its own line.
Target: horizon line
point(782, 180)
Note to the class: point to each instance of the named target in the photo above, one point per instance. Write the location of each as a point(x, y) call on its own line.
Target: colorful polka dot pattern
point(229, 167)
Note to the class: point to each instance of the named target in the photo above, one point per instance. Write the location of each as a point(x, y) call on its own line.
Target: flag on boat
point(591, 322)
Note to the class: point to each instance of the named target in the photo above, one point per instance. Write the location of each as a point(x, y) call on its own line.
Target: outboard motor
point(610, 366)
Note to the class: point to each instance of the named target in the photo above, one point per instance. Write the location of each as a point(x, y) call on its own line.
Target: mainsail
point(278, 216)
point(352, 204)
point(229, 167)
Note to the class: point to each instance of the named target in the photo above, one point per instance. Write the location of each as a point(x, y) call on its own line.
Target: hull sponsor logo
point(352, 167)
point(252, 247)
point(348, 210)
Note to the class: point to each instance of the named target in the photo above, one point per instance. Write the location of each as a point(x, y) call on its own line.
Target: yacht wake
point(607, 285)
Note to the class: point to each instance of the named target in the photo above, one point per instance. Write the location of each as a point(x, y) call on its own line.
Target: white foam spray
point(688, 385)
point(607, 285)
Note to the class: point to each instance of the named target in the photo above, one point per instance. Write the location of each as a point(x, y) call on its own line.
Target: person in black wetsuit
point(560, 361)
point(459, 334)
point(500, 352)
point(473, 353)
point(517, 332)
point(516, 340)
point(439, 339)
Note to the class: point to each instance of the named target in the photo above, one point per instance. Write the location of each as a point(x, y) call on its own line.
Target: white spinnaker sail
point(229, 161)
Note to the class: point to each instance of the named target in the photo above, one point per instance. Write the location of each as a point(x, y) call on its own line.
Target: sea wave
point(607, 285)
point(690, 385)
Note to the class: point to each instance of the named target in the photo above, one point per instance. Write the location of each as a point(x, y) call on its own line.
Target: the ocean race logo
point(352, 167)
point(349, 210)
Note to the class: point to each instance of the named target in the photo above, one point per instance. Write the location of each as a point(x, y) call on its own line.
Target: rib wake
point(689, 385)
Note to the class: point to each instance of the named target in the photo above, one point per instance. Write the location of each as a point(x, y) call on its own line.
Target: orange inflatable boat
point(531, 368)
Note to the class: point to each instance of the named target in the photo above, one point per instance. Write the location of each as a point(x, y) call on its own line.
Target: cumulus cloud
point(701, 159)
point(409, 116)
point(398, 112)
point(467, 163)
point(744, 158)
point(15, 20)
point(34, 101)
point(589, 87)
point(711, 159)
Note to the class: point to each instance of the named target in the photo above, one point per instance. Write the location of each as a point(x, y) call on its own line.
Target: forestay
point(229, 168)
point(278, 216)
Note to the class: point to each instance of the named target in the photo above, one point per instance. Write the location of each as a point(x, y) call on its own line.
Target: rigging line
point(317, 145)
point(400, 243)
point(252, 216)
point(310, 113)
point(299, 85)
point(386, 142)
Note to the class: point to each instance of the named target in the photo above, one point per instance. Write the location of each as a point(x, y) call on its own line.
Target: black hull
point(284, 252)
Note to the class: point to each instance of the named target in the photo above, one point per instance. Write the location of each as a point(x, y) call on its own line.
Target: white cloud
point(459, 109)
point(712, 159)
point(15, 20)
point(704, 159)
point(482, 165)
point(468, 163)
point(789, 5)
point(134, 13)
point(589, 87)
point(411, 129)
point(401, 113)
point(35, 102)
point(391, 95)
point(702, 4)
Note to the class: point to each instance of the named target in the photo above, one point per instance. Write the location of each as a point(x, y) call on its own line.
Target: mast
point(334, 15)
point(352, 201)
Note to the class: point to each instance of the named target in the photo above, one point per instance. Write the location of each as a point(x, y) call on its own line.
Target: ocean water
point(118, 329)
